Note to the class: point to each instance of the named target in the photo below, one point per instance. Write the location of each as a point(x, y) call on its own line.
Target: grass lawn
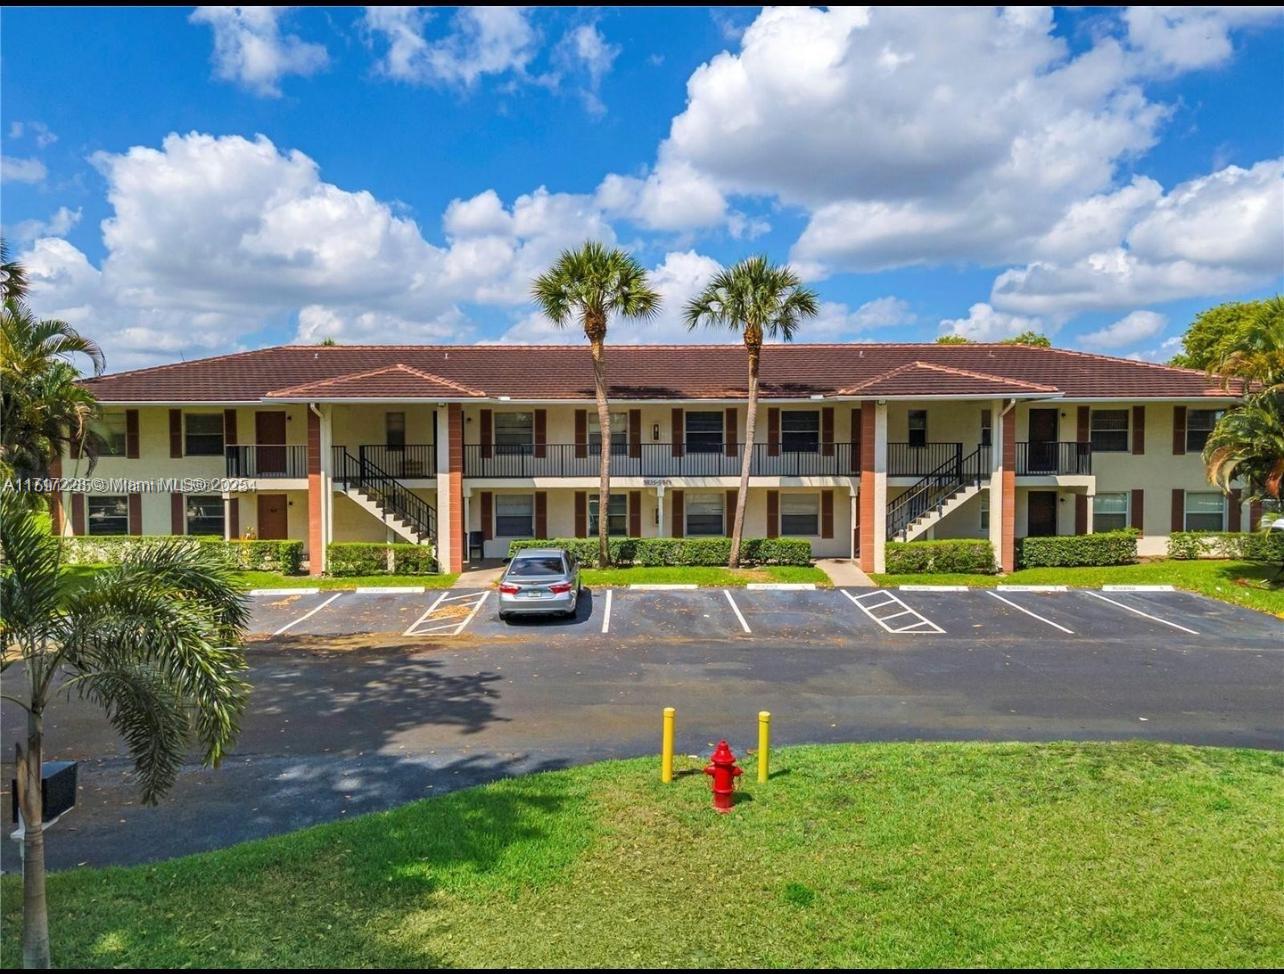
point(82, 573)
point(703, 575)
point(1240, 582)
point(929, 855)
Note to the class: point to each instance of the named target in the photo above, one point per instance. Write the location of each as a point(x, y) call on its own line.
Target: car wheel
point(503, 617)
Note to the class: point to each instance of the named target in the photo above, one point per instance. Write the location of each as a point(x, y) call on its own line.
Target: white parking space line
point(869, 607)
point(1033, 615)
point(306, 615)
point(1146, 615)
point(450, 625)
point(606, 612)
point(736, 609)
point(410, 630)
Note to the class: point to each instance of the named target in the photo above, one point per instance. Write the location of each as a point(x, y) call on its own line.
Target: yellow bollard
point(666, 745)
point(764, 744)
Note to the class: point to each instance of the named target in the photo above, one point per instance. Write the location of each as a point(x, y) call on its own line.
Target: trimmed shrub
point(257, 555)
point(346, 558)
point(1239, 545)
point(677, 551)
point(1106, 548)
point(972, 556)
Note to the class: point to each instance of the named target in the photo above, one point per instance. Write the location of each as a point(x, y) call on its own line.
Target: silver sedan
point(540, 581)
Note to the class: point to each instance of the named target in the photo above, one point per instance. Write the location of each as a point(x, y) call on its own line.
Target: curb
point(657, 587)
point(933, 588)
point(390, 590)
point(1033, 588)
point(284, 591)
point(1138, 588)
point(781, 587)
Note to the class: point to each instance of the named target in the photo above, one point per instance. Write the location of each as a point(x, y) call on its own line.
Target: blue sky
point(191, 181)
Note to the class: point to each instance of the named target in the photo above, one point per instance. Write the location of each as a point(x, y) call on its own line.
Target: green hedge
point(1072, 551)
point(258, 555)
point(365, 558)
point(678, 551)
point(966, 555)
point(1241, 545)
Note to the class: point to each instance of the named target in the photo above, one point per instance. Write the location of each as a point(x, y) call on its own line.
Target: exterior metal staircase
point(386, 498)
point(949, 486)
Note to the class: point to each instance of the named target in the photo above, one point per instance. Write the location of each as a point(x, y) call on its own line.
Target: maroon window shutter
point(1080, 513)
point(1179, 431)
point(635, 514)
point(827, 431)
point(581, 434)
point(730, 518)
point(234, 518)
point(729, 432)
point(773, 432)
point(1138, 430)
point(541, 514)
point(78, 515)
point(826, 513)
point(131, 434)
point(1179, 510)
point(1233, 514)
point(581, 514)
point(675, 431)
point(1254, 514)
point(1139, 509)
point(135, 513)
point(679, 516)
point(853, 463)
point(635, 434)
point(487, 515)
point(487, 446)
point(541, 432)
point(773, 513)
point(175, 432)
point(229, 427)
point(176, 518)
point(1083, 433)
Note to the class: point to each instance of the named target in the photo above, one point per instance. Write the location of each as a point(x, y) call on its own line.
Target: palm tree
point(592, 284)
point(1256, 354)
point(152, 641)
point(1247, 444)
point(760, 300)
point(13, 278)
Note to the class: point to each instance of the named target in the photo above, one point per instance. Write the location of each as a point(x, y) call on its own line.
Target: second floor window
point(800, 431)
point(514, 432)
point(111, 427)
point(987, 427)
point(395, 430)
point(800, 515)
point(617, 518)
point(515, 515)
point(204, 435)
point(1109, 512)
point(918, 428)
point(619, 435)
point(205, 515)
point(704, 431)
point(1110, 431)
point(1200, 423)
point(704, 514)
point(107, 514)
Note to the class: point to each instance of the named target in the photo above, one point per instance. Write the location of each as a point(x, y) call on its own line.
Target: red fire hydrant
point(724, 771)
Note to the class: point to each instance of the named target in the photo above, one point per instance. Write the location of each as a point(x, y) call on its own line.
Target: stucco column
point(873, 486)
point(316, 496)
point(450, 492)
point(659, 511)
point(327, 475)
point(996, 479)
point(1005, 553)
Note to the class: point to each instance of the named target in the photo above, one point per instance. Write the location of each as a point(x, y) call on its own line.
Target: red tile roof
point(913, 378)
point(552, 372)
point(392, 382)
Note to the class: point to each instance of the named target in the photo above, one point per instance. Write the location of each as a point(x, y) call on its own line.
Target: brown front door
point(269, 435)
point(1041, 518)
point(274, 522)
point(1043, 441)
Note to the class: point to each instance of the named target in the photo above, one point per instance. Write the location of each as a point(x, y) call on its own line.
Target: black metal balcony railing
point(1049, 459)
point(414, 461)
point(656, 460)
point(266, 461)
point(909, 460)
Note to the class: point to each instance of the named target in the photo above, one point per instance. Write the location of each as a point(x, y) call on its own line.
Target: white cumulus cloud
point(251, 50)
point(1128, 330)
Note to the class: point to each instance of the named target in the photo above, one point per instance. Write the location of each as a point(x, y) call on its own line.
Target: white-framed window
point(1199, 424)
point(107, 514)
point(204, 434)
point(1205, 510)
point(619, 434)
point(617, 517)
point(1110, 512)
point(800, 515)
point(111, 427)
point(515, 515)
point(987, 427)
point(704, 513)
point(205, 514)
point(1109, 431)
point(800, 430)
point(985, 510)
point(918, 427)
point(514, 432)
point(704, 430)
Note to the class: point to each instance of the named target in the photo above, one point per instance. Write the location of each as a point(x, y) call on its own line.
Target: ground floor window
point(704, 514)
point(205, 515)
point(515, 515)
point(107, 514)
point(1110, 512)
point(617, 517)
point(985, 508)
point(800, 515)
point(1205, 511)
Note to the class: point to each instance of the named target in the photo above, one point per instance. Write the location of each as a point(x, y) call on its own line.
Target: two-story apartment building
point(470, 447)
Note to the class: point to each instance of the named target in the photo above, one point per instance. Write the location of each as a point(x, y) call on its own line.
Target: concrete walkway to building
point(844, 573)
point(480, 574)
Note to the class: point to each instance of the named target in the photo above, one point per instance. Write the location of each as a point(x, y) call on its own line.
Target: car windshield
point(540, 565)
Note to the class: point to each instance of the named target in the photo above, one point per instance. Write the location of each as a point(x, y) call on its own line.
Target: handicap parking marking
point(307, 615)
point(917, 623)
point(450, 614)
point(1139, 612)
point(736, 609)
point(1033, 615)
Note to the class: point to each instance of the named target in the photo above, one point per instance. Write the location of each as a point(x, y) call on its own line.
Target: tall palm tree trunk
point(604, 468)
point(746, 462)
point(35, 908)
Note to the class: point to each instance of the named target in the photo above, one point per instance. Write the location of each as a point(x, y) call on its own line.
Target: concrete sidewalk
point(844, 573)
